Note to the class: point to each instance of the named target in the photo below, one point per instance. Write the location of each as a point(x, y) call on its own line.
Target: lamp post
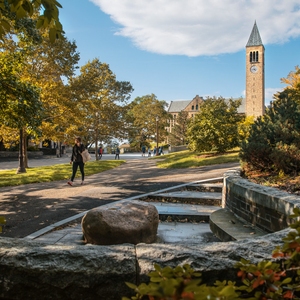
point(157, 136)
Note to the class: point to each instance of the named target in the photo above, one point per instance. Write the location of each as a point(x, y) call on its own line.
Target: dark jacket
point(76, 153)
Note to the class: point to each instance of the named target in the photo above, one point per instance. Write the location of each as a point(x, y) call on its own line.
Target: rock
point(121, 222)
point(32, 270)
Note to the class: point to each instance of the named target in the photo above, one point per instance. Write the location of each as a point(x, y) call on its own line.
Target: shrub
point(286, 158)
point(274, 139)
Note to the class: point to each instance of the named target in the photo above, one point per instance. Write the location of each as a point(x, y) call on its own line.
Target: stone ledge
point(227, 227)
point(30, 269)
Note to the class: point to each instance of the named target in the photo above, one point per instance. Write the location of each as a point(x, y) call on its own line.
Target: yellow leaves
point(293, 78)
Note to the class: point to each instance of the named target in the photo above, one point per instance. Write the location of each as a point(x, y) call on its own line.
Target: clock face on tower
point(254, 69)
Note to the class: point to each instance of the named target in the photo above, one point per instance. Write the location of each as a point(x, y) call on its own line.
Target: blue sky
point(179, 49)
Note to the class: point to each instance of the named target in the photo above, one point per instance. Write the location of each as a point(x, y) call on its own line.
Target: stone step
point(192, 197)
point(205, 187)
point(227, 227)
point(184, 212)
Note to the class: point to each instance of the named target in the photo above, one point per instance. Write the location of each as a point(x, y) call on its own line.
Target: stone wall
point(264, 207)
point(32, 270)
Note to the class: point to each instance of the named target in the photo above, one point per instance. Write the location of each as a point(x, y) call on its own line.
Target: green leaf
point(131, 285)
point(40, 22)
point(286, 280)
point(52, 35)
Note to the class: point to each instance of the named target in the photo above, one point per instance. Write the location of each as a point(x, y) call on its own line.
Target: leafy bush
point(286, 158)
point(277, 278)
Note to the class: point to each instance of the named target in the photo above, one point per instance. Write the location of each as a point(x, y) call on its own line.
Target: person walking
point(76, 160)
point(117, 153)
point(100, 151)
point(143, 150)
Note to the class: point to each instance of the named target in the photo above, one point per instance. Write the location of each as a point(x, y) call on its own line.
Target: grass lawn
point(183, 159)
point(188, 159)
point(55, 172)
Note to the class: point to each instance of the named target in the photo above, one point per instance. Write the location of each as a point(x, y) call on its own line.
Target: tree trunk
point(25, 150)
point(21, 168)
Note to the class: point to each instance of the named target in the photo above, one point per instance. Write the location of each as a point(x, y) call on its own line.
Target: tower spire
point(254, 39)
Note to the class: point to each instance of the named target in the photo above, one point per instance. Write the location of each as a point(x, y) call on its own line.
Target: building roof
point(179, 105)
point(254, 39)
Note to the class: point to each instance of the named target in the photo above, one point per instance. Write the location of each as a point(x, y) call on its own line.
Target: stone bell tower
point(255, 75)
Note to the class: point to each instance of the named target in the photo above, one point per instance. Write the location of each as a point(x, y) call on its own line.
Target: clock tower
point(255, 75)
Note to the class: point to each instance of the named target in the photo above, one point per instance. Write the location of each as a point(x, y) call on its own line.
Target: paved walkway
point(29, 208)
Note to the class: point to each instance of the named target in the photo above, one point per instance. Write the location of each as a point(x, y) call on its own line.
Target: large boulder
point(121, 222)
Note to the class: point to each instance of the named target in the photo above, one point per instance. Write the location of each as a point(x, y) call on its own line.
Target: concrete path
point(32, 207)
point(7, 164)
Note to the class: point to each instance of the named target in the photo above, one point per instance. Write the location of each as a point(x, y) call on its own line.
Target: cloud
point(269, 94)
point(201, 27)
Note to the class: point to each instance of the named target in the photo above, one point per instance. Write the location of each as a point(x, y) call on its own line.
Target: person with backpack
point(77, 161)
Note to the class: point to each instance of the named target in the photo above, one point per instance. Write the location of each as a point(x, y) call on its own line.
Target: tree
point(47, 65)
point(293, 79)
point(17, 10)
point(44, 64)
point(98, 101)
point(244, 127)
point(178, 135)
point(20, 100)
point(215, 127)
point(141, 120)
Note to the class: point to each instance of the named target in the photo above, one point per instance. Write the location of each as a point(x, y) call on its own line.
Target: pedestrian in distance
point(143, 150)
point(76, 160)
point(159, 150)
point(117, 153)
point(149, 152)
point(100, 151)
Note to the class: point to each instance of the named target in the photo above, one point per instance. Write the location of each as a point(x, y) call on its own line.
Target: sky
point(177, 49)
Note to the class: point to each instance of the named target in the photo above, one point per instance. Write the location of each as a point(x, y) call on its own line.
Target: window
point(192, 107)
point(197, 107)
point(254, 56)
